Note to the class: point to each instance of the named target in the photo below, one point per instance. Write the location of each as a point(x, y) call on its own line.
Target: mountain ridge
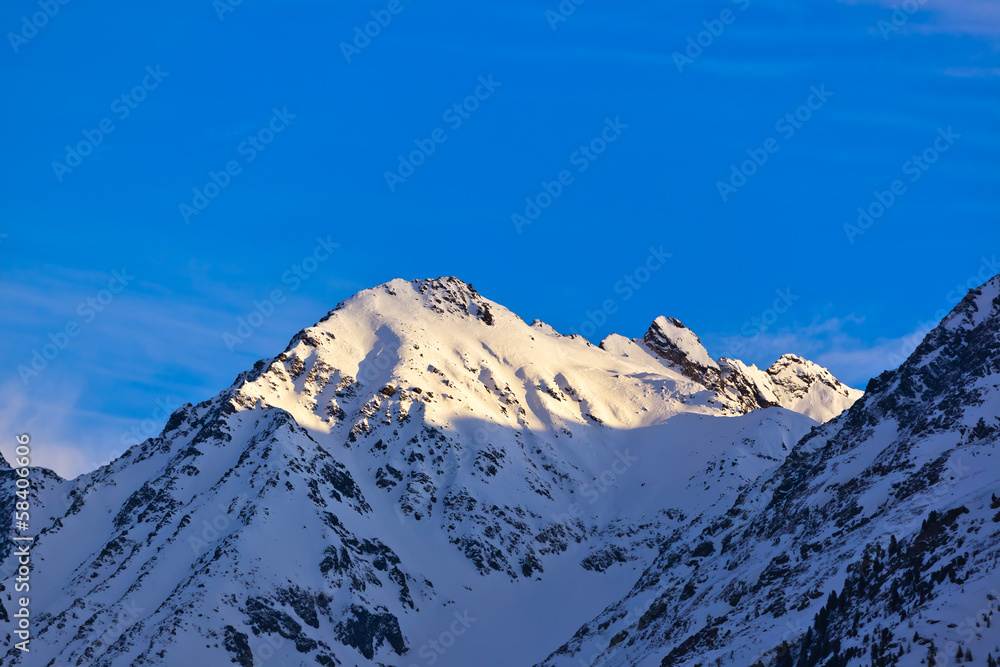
point(896, 473)
point(480, 469)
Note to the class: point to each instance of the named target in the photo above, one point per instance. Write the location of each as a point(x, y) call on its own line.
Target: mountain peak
point(497, 445)
point(955, 358)
point(791, 382)
point(979, 305)
point(681, 349)
point(444, 295)
point(792, 363)
point(791, 359)
point(807, 387)
point(871, 506)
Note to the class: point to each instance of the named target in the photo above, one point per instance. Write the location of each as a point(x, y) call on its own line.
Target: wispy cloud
point(957, 17)
point(149, 347)
point(970, 17)
point(972, 72)
point(837, 343)
point(54, 423)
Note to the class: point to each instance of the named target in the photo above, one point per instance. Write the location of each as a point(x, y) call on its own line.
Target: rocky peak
point(952, 365)
point(449, 294)
point(678, 346)
point(750, 387)
point(809, 388)
point(978, 306)
point(796, 375)
point(791, 382)
point(892, 507)
point(445, 295)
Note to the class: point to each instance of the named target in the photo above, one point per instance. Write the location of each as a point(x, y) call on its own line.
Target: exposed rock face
point(680, 349)
point(808, 388)
point(791, 382)
point(748, 386)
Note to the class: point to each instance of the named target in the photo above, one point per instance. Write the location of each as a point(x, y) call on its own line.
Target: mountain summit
point(791, 382)
point(415, 479)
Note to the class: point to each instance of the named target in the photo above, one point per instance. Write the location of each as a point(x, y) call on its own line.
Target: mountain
point(791, 382)
point(416, 479)
point(875, 542)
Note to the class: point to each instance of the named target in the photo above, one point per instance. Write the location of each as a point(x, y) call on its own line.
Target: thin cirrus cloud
point(955, 17)
point(837, 343)
point(150, 347)
point(53, 423)
point(972, 72)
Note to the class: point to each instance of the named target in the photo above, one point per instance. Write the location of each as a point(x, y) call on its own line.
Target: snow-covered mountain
point(875, 542)
point(423, 478)
point(791, 382)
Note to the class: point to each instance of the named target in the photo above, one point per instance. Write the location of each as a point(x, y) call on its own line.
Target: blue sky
point(833, 100)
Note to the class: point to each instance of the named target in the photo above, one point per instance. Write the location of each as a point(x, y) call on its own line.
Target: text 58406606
point(22, 548)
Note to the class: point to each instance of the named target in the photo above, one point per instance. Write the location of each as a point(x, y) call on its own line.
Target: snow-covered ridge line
point(419, 452)
point(875, 541)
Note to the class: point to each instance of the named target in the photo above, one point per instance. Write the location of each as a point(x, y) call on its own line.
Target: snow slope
point(875, 542)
